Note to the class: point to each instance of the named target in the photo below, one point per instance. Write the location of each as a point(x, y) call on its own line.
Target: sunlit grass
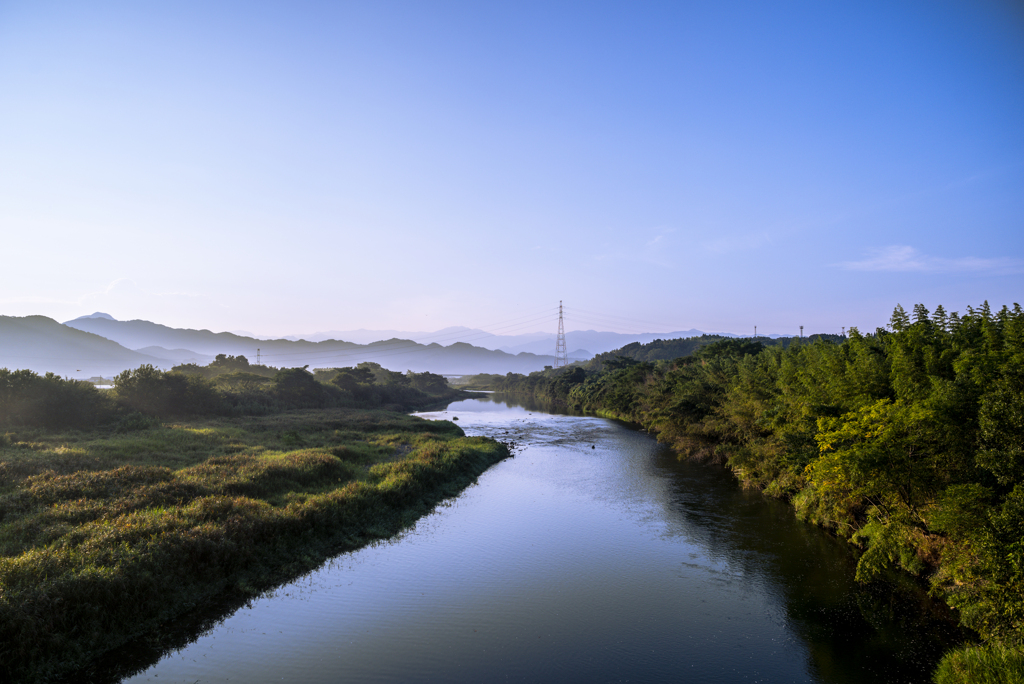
point(105, 535)
point(988, 664)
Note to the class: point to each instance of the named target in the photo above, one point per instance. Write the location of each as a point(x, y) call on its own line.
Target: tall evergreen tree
point(900, 321)
point(985, 311)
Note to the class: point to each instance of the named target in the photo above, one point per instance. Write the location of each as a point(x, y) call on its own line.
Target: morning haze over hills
point(662, 166)
point(341, 192)
point(100, 345)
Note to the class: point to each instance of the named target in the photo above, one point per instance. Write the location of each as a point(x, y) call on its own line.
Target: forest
point(907, 441)
point(668, 350)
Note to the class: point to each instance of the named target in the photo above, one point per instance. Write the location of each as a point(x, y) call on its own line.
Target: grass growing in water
point(105, 535)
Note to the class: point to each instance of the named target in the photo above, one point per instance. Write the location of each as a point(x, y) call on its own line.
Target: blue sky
point(293, 167)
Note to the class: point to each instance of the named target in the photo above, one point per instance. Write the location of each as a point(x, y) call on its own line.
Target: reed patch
point(106, 535)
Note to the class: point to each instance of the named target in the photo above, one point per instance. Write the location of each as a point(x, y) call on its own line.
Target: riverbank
point(905, 442)
point(593, 555)
point(105, 535)
point(990, 662)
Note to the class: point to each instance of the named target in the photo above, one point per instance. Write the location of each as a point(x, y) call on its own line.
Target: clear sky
point(292, 167)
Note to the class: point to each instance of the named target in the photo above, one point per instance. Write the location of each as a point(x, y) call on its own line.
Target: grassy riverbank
point(107, 533)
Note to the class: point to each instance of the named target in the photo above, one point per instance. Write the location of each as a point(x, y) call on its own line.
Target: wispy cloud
point(656, 250)
point(906, 259)
point(660, 237)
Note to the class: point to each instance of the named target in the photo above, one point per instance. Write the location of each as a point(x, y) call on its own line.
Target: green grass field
point(104, 536)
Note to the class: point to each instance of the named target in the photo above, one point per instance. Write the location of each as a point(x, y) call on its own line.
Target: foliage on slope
point(909, 441)
point(668, 350)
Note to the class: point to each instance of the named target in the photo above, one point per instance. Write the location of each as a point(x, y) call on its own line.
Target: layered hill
point(395, 354)
point(101, 345)
point(42, 344)
point(585, 342)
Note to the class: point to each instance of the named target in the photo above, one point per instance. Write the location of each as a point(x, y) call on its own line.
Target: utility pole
point(561, 354)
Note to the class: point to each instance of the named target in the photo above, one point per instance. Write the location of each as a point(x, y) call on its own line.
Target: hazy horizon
point(415, 166)
point(455, 331)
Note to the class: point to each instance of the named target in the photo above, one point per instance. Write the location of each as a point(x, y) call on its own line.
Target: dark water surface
point(592, 556)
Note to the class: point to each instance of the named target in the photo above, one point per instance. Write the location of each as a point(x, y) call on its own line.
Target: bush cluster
point(50, 401)
point(229, 389)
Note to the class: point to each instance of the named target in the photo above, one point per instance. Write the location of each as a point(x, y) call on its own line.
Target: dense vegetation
point(909, 442)
point(227, 387)
point(668, 350)
point(120, 510)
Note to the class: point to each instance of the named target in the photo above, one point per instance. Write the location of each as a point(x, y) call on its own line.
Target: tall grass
point(104, 536)
point(988, 664)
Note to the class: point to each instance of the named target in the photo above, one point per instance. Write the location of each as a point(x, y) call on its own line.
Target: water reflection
point(594, 555)
point(888, 631)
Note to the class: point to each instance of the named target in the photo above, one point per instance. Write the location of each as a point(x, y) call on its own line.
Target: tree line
point(668, 350)
point(908, 441)
point(229, 386)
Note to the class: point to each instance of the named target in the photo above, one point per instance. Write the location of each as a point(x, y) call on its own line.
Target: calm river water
point(592, 556)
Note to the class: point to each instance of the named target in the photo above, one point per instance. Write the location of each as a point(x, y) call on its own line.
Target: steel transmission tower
point(561, 354)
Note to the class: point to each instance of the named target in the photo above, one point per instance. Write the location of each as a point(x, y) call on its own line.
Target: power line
point(610, 319)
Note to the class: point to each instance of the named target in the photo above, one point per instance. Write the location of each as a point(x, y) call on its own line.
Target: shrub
point(153, 392)
point(50, 401)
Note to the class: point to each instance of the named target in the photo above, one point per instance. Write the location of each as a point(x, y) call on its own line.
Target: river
point(593, 555)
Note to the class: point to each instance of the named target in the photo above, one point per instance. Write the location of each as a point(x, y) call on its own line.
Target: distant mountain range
point(99, 344)
point(42, 344)
point(594, 342)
